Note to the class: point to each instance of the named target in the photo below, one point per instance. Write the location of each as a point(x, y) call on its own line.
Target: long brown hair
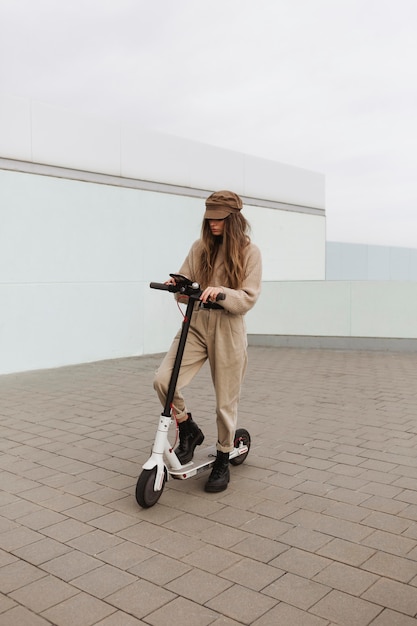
point(235, 240)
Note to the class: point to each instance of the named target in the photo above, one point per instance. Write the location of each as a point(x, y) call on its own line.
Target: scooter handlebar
point(175, 289)
point(163, 287)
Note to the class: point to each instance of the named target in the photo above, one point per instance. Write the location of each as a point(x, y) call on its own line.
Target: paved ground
point(317, 528)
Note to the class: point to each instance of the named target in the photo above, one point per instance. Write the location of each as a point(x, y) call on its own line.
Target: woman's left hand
point(210, 294)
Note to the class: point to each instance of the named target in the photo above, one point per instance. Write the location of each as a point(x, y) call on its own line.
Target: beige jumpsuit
point(219, 336)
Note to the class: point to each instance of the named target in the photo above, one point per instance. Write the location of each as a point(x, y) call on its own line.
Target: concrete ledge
point(27, 167)
point(335, 343)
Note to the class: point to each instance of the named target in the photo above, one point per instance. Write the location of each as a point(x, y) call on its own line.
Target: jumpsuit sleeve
point(188, 264)
point(240, 301)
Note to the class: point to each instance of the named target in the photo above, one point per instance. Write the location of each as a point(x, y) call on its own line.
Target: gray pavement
point(318, 526)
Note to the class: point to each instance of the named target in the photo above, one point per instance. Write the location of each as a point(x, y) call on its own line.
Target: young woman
point(225, 261)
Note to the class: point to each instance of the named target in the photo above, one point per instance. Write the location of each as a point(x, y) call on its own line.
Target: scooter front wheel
point(241, 436)
point(146, 496)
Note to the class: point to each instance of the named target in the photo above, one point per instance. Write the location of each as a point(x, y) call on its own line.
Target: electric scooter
point(163, 462)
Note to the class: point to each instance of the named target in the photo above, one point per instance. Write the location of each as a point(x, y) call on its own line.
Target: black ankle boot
point(220, 474)
point(190, 437)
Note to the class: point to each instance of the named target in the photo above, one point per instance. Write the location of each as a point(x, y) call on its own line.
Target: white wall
point(75, 263)
point(92, 210)
point(352, 261)
point(377, 309)
point(76, 259)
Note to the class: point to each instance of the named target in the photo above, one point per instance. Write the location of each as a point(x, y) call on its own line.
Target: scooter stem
point(178, 357)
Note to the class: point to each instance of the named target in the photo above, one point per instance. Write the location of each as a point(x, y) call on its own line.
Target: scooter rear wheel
point(146, 496)
point(243, 436)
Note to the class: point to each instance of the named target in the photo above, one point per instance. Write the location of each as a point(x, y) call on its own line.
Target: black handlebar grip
point(162, 286)
point(221, 296)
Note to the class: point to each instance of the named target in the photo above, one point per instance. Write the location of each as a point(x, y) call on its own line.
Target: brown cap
point(221, 203)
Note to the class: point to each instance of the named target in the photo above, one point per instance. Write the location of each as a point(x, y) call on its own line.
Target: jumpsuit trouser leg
point(221, 337)
point(227, 353)
point(194, 357)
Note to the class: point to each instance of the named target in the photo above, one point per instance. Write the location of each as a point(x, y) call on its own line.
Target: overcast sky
point(327, 85)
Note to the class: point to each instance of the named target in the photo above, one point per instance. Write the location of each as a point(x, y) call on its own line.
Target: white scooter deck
point(203, 460)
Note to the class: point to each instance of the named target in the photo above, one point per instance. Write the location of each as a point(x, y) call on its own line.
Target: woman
point(225, 261)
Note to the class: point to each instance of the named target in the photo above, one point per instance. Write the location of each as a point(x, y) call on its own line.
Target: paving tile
point(346, 610)
point(6, 558)
point(268, 508)
point(140, 598)
point(41, 519)
point(252, 574)
point(297, 591)
point(305, 539)
point(223, 536)
point(235, 518)
point(385, 505)
point(241, 604)
point(63, 501)
point(345, 511)
point(145, 533)
point(18, 508)
point(390, 566)
point(389, 523)
point(267, 527)
point(66, 530)
point(7, 525)
point(411, 532)
point(327, 498)
point(94, 541)
point(212, 559)
point(388, 542)
point(178, 546)
point(38, 494)
point(43, 593)
point(191, 524)
point(125, 555)
point(198, 586)
point(21, 616)
point(160, 569)
point(348, 496)
point(300, 562)
point(334, 527)
point(105, 495)
point(346, 552)
point(18, 537)
point(6, 603)
point(187, 611)
point(81, 609)
point(259, 548)
point(113, 522)
point(103, 581)
point(71, 565)
point(119, 618)
point(346, 578)
point(394, 595)
point(392, 618)
point(288, 615)
point(18, 574)
point(87, 511)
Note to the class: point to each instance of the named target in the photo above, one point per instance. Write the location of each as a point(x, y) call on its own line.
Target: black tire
point(241, 435)
point(145, 494)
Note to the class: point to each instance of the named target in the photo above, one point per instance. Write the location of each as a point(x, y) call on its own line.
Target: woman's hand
point(210, 294)
point(170, 281)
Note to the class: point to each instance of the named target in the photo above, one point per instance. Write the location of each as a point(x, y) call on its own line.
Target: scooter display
point(163, 462)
